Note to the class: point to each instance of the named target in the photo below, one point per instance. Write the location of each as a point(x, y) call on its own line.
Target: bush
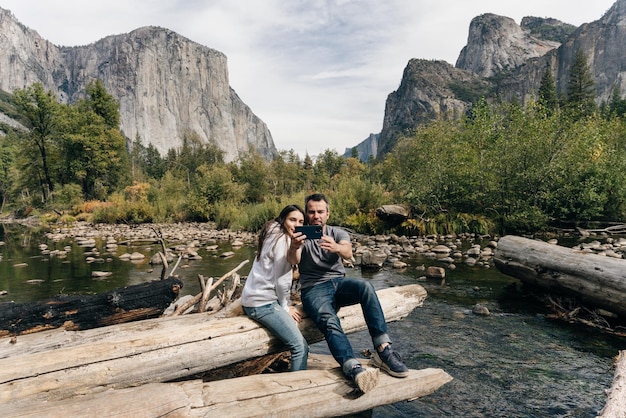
point(228, 216)
point(365, 223)
point(529, 220)
point(67, 196)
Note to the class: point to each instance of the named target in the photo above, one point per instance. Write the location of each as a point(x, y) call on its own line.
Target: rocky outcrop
point(508, 61)
point(602, 42)
point(429, 90)
point(496, 43)
point(167, 85)
point(365, 148)
point(547, 29)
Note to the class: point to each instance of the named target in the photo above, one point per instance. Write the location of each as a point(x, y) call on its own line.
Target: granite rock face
point(497, 43)
point(167, 86)
point(506, 60)
point(428, 91)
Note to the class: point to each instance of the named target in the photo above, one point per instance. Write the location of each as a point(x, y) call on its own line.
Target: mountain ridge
point(167, 86)
point(420, 98)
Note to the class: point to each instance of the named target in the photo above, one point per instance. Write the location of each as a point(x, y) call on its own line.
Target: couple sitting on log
point(267, 293)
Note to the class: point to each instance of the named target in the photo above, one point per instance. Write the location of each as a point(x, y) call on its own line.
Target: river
point(511, 363)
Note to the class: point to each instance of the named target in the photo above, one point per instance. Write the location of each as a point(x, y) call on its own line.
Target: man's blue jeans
point(283, 326)
point(321, 303)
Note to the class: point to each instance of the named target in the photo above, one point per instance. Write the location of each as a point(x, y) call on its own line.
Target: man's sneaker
point(365, 379)
point(390, 361)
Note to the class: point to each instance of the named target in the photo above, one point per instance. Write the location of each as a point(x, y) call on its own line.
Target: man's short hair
point(316, 197)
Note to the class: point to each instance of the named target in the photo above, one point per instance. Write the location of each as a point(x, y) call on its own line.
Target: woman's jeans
point(273, 317)
point(321, 303)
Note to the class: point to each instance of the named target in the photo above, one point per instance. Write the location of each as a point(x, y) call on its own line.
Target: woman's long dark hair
point(280, 220)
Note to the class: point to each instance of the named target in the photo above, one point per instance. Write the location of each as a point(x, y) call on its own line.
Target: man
point(325, 289)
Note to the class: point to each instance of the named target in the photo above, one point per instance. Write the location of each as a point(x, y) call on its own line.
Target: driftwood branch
point(162, 254)
point(180, 257)
point(182, 308)
point(614, 229)
point(206, 292)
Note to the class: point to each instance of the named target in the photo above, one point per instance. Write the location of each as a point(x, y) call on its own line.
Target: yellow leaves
point(138, 192)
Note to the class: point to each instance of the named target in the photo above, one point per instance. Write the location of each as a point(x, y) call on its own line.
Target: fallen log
point(317, 392)
point(54, 365)
point(80, 312)
point(615, 406)
point(595, 280)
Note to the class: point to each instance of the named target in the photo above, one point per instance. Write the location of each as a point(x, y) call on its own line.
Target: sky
point(317, 72)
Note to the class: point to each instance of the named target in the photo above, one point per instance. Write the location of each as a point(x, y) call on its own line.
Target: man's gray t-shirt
point(317, 265)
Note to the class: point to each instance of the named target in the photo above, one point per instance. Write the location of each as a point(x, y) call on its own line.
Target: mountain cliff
point(505, 59)
point(497, 43)
point(167, 86)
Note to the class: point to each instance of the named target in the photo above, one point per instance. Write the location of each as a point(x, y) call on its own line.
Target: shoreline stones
point(389, 250)
point(369, 251)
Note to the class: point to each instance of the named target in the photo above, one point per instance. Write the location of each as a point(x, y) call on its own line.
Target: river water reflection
point(512, 363)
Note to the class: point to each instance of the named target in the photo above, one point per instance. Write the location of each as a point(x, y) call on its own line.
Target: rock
point(399, 265)
point(373, 259)
point(433, 272)
point(441, 249)
point(394, 213)
point(481, 310)
point(237, 244)
point(100, 274)
point(470, 261)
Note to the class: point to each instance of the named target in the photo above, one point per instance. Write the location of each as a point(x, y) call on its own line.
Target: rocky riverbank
point(370, 252)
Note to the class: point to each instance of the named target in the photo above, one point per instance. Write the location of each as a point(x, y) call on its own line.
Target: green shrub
point(365, 223)
point(226, 215)
point(529, 220)
point(66, 197)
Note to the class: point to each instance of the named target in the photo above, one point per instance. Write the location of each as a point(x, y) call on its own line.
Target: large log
point(317, 392)
point(53, 365)
point(615, 406)
point(79, 312)
point(595, 280)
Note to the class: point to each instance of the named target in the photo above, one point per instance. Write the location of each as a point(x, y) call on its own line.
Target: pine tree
point(617, 106)
point(581, 87)
point(548, 98)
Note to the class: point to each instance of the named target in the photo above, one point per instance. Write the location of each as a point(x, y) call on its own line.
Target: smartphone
point(311, 231)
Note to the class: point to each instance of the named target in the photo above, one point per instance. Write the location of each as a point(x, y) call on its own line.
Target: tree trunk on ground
point(55, 364)
point(616, 404)
point(320, 392)
point(595, 280)
point(131, 303)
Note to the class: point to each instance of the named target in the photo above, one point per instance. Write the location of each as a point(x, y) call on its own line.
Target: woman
point(266, 296)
